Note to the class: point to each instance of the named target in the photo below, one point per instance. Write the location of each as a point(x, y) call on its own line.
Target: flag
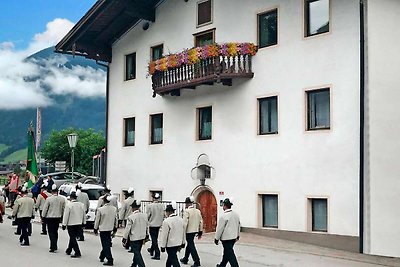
point(31, 163)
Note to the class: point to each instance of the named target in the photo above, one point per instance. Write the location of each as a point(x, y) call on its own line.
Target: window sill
point(318, 129)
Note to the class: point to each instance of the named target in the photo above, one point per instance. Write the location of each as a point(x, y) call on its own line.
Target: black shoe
point(81, 239)
point(155, 258)
point(195, 265)
point(43, 233)
point(184, 261)
point(108, 263)
point(76, 256)
point(24, 244)
point(130, 251)
point(101, 259)
point(52, 250)
point(16, 233)
point(150, 251)
point(68, 252)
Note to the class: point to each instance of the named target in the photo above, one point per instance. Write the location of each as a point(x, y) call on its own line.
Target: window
point(319, 214)
point(157, 52)
point(153, 192)
point(204, 12)
point(318, 109)
point(156, 129)
point(205, 123)
point(270, 210)
point(129, 126)
point(204, 38)
point(316, 17)
point(130, 66)
point(268, 28)
point(268, 115)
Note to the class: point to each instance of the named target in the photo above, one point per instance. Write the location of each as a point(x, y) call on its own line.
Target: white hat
point(46, 183)
point(26, 184)
point(54, 187)
point(79, 184)
point(110, 197)
point(24, 190)
point(156, 195)
point(108, 188)
point(130, 190)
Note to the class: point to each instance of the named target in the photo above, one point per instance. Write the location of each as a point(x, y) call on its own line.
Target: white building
point(303, 157)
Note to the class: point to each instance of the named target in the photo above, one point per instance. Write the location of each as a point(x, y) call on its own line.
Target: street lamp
point(72, 140)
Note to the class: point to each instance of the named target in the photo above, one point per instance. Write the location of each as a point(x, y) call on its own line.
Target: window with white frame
point(129, 126)
point(318, 109)
point(204, 118)
point(156, 126)
point(319, 214)
point(268, 115)
point(317, 16)
point(130, 66)
point(204, 12)
point(268, 28)
point(270, 210)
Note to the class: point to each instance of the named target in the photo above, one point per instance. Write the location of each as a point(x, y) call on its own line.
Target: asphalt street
point(37, 255)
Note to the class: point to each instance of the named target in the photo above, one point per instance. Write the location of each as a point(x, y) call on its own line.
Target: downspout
point(107, 66)
point(362, 114)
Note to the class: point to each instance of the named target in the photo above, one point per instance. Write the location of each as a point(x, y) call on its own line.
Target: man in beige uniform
point(82, 197)
point(172, 235)
point(41, 199)
point(136, 232)
point(53, 210)
point(106, 222)
point(228, 230)
point(193, 222)
point(126, 211)
point(24, 210)
point(155, 215)
point(73, 219)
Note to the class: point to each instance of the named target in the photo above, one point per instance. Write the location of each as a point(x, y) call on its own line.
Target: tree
point(89, 143)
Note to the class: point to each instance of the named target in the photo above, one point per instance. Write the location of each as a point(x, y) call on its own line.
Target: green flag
point(31, 164)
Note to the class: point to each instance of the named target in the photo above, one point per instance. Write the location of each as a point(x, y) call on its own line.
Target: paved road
point(37, 254)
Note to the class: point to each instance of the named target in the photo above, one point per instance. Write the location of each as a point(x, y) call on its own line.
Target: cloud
point(31, 83)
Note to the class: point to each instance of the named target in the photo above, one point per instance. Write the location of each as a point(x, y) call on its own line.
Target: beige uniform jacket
point(113, 202)
point(155, 214)
point(173, 232)
point(24, 207)
point(74, 213)
point(40, 201)
point(106, 218)
point(228, 226)
point(83, 197)
point(192, 220)
point(126, 209)
point(136, 226)
point(54, 207)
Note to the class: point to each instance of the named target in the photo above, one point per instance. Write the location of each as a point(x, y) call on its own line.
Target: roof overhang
point(103, 24)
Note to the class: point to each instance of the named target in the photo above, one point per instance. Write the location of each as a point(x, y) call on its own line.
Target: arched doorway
point(208, 208)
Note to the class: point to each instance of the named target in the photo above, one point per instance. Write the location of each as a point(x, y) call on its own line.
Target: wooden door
point(208, 208)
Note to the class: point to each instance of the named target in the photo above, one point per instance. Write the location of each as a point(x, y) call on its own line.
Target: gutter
point(362, 123)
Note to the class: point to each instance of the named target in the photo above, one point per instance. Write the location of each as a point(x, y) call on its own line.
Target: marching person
point(24, 210)
point(53, 210)
point(41, 199)
point(107, 192)
point(193, 222)
point(106, 223)
point(228, 230)
point(82, 197)
point(172, 235)
point(73, 219)
point(155, 215)
point(126, 211)
point(136, 232)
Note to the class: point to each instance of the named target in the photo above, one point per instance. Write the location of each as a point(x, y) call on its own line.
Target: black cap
point(227, 202)
point(73, 195)
point(169, 208)
point(188, 200)
point(136, 204)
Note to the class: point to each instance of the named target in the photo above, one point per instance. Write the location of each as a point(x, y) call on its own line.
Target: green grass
point(16, 156)
point(3, 147)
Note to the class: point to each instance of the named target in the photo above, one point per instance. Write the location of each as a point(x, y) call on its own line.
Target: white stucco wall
point(295, 163)
point(383, 121)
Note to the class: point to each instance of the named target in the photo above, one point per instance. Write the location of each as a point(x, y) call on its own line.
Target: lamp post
point(72, 140)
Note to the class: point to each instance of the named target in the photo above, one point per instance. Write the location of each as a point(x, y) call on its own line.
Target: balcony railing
point(229, 61)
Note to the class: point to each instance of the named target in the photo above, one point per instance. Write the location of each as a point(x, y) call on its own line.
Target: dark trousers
point(73, 231)
point(44, 230)
point(52, 226)
point(80, 235)
point(172, 259)
point(191, 248)
point(23, 223)
point(137, 256)
point(154, 241)
point(105, 238)
point(229, 254)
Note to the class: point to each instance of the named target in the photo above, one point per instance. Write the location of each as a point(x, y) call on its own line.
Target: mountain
point(66, 111)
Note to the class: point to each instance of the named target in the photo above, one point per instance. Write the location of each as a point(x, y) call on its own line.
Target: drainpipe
point(107, 66)
point(362, 114)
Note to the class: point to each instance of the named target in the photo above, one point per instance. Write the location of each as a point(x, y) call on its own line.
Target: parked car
point(63, 177)
point(94, 193)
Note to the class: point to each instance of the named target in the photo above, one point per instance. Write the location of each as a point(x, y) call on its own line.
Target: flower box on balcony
point(202, 65)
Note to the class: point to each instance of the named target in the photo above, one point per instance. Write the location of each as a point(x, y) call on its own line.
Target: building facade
point(282, 134)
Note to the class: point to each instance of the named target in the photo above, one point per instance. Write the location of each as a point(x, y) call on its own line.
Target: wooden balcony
point(219, 69)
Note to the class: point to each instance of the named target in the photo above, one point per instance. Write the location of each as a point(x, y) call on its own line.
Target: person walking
point(193, 222)
point(73, 219)
point(82, 197)
point(2, 206)
point(24, 210)
point(155, 215)
point(136, 232)
point(50, 183)
point(228, 230)
point(41, 199)
point(126, 211)
point(53, 210)
point(101, 201)
point(172, 235)
point(106, 223)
